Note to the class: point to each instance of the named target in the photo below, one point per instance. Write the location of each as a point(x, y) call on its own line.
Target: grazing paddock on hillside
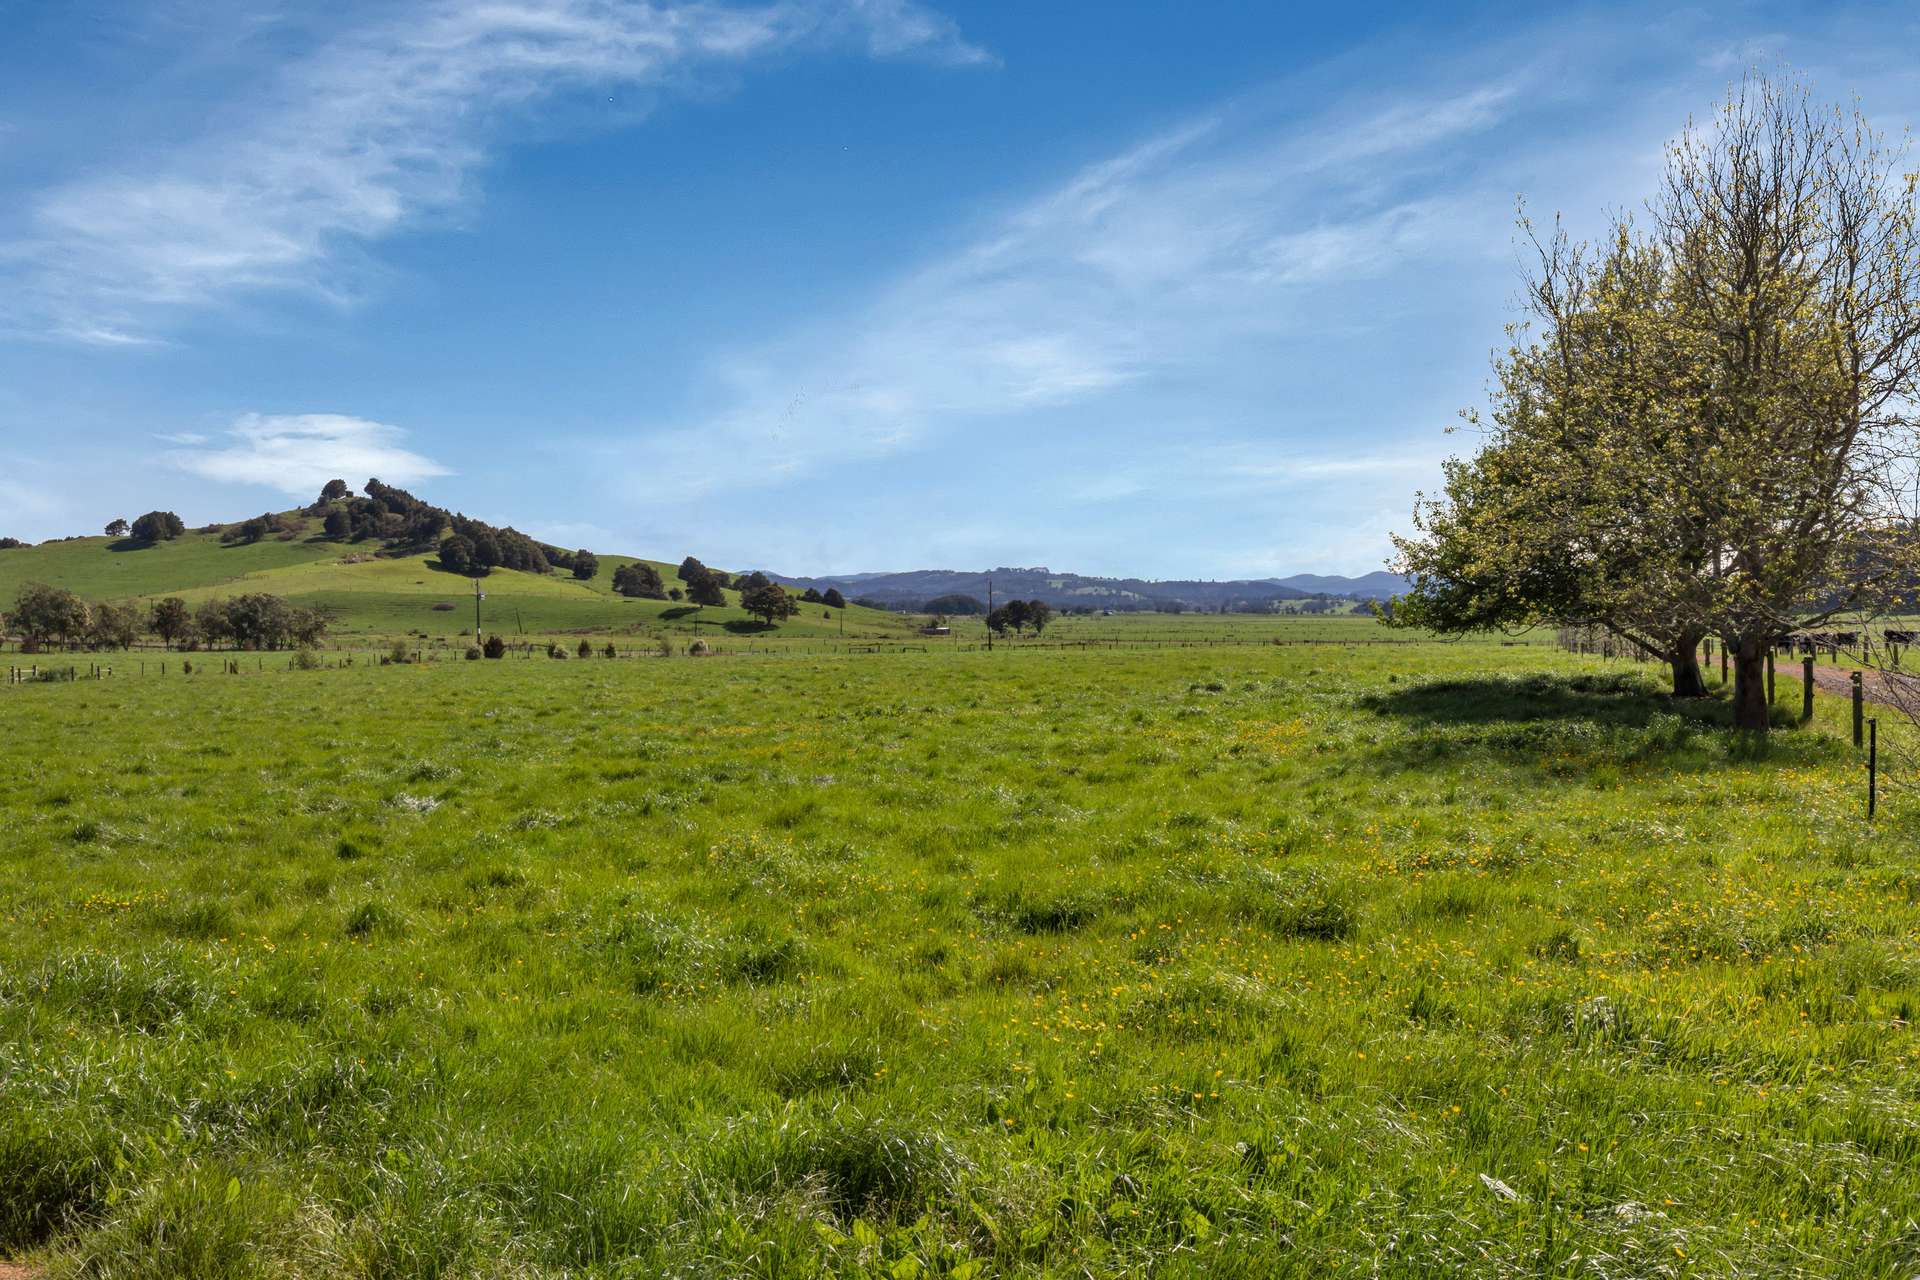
point(1243, 960)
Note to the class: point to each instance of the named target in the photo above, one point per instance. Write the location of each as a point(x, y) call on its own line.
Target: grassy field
point(374, 599)
point(1241, 960)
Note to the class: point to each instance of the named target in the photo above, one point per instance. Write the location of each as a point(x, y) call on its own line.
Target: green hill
point(375, 592)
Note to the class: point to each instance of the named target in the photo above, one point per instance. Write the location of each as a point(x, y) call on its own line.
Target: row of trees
point(1016, 615)
point(43, 616)
point(1707, 427)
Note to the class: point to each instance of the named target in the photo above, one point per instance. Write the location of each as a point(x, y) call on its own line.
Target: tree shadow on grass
point(131, 544)
point(1567, 724)
point(1614, 697)
point(748, 626)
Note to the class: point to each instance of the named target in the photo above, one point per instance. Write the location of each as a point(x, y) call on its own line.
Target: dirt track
point(1876, 686)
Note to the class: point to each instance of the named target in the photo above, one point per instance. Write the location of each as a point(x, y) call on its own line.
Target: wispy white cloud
point(375, 130)
point(297, 453)
point(1172, 256)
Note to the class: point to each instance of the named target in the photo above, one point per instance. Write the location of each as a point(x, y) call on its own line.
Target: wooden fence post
point(1806, 687)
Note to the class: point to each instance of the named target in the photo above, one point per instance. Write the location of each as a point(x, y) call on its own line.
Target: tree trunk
point(1750, 709)
point(1687, 680)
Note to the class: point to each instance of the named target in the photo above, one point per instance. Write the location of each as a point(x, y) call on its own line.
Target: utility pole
point(477, 598)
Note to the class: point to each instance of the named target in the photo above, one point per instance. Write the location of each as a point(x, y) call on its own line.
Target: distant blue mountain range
point(915, 587)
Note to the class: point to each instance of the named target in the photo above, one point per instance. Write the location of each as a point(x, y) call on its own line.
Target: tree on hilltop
point(117, 528)
point(157, 526)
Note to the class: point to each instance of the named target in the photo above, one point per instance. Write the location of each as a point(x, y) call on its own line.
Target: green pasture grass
point(119, 569)
point(1255, 960)
point(1142, 629)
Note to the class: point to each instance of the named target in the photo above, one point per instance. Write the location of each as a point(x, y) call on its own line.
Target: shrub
point(496, 647)
point(399, 653)
point(307, 660)
point(473, 653)
point(698, 649)
point(586, 648)
point(610, 651)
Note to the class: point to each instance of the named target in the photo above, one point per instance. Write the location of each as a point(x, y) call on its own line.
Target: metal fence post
point(1859, 709)
point(1873, 765)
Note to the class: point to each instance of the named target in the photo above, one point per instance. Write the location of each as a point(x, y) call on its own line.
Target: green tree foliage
point(770, 603)
point(639, 580)
point(8, 544)
point(704, 589)
point(832, 598)
point(260, 621)
point(338, 525)
point(1039, 614)
point(585, 565)
point(1709, 431)
point(955, 605)
point(117, 528)
point(810, 596)
point(112, 626)
point(170, 620)
point(42, 615)
point(250, 531)
point(157, 526)
point(456, 555)
point(690, 569)
point(334, 491)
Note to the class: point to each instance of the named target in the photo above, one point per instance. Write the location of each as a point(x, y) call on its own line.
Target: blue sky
point(1170, 290)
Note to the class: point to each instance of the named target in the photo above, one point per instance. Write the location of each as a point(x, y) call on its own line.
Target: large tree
point(158, 526)
point(1567, 514)
point(1794, 239)
point(1711, 431)
point(640, 580)
point(769, 602)
point(704, 589)
point(170, 620)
